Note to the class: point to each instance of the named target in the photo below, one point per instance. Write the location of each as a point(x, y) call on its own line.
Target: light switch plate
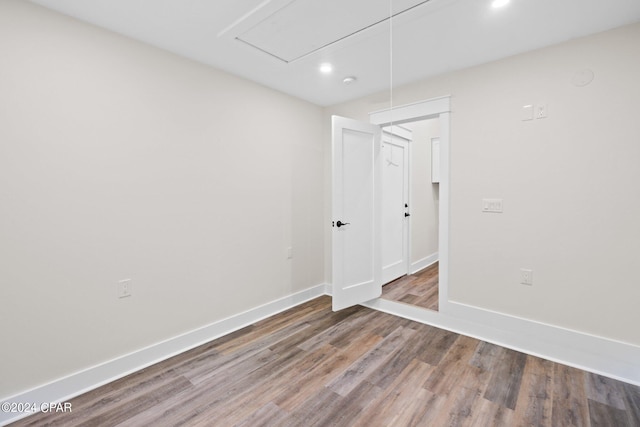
point(527, 112)
point(492, 205)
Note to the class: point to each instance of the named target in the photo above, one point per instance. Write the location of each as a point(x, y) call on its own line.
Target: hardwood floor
point(420, 289)
point(309, 366)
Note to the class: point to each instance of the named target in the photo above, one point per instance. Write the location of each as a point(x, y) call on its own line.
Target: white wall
point(118, 160)
point(424, 194)
point(569, 183)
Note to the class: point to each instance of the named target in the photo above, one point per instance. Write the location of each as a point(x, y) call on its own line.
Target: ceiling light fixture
point(326, 68)
point(499, 3)
point(349, 80)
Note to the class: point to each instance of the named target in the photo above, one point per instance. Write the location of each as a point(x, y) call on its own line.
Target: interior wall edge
point(65, 388)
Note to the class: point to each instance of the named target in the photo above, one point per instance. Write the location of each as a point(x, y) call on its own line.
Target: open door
point(356, 197)
point(395, 206)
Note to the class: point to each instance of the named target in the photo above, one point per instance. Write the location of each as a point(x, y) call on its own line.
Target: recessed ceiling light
point(499, 3)
point(326, 68)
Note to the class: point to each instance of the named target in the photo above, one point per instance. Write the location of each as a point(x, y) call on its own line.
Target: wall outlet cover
point(125, 288)
point(541, 111)
point(526, 276)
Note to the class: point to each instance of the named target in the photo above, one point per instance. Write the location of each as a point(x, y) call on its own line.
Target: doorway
point(438, 109)
point(367, 289)
point(414, 205)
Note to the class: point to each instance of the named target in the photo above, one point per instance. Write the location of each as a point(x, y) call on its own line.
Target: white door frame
point(430, 109)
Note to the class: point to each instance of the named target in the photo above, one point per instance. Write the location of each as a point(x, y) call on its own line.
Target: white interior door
point(356, 191)
point(395, 207)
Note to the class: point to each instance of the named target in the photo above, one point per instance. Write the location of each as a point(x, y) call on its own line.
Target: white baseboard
point(606, 357)
point(599, 355)
point(423, 263)
point(328, 289)
point(65, 388)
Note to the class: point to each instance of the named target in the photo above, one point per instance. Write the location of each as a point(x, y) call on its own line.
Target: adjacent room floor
point(310, 366)
point(419, 289)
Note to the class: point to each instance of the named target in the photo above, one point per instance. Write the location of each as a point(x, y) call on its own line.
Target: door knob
point(406, 214)
point(340, 223)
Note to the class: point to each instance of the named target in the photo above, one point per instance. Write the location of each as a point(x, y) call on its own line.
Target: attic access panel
point(302, 27)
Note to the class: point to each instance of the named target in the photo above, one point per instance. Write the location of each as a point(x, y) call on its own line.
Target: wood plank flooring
point(309, 366)
point(420, 289)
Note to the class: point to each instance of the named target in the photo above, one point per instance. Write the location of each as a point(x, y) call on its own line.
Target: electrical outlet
point(526, 276)
point(541, 111)
point(289, 252)
point(125, 288)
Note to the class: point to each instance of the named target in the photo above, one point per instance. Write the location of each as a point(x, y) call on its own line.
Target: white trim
point(398, 131)
point(591, 353)
point(423, 263)
point(328, 289)
point(443, 214)
point(65, 388)
point(429, 108)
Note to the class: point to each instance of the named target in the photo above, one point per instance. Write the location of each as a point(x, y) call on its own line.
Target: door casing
point(435, 108)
